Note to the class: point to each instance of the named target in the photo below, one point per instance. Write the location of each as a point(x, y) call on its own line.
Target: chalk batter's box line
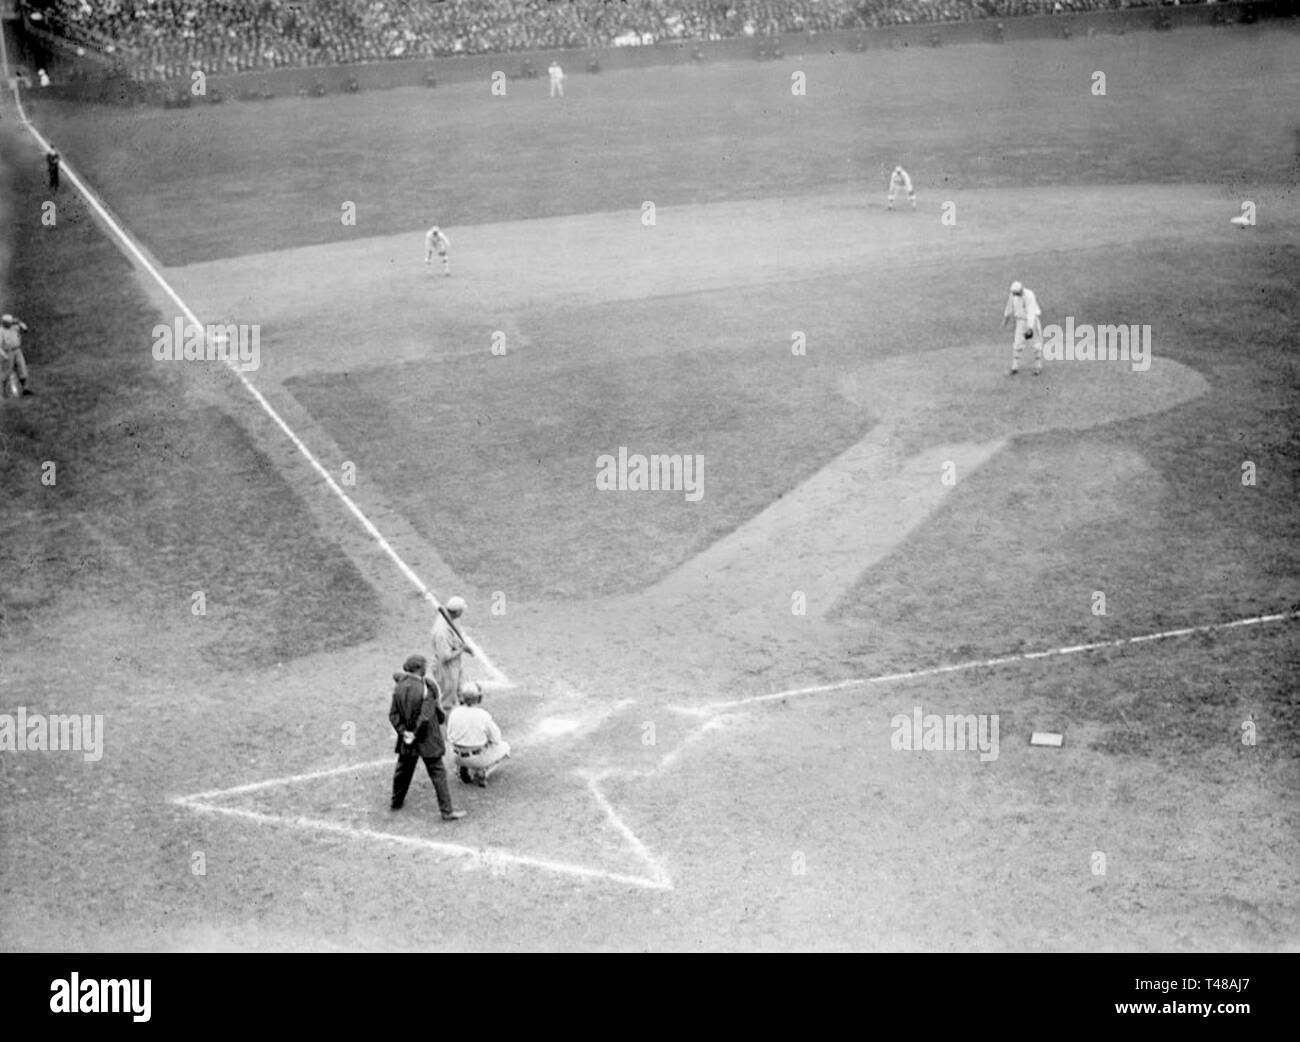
point(204, 803)
point(842, 685)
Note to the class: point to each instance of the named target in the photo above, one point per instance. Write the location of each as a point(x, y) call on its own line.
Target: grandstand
point(166, 39)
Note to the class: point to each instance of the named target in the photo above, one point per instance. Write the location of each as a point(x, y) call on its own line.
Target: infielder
point(436, 242)
point(1023, 305)
point(557, 79)
point(900, 181)
point(12, 362)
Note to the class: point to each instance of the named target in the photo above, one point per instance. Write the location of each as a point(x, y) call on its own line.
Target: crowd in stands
point(161, 39)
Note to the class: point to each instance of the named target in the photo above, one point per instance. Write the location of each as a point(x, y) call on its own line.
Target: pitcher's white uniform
point(1023, 306)
point(557, 79)
point(436, 242)
point(899, 180)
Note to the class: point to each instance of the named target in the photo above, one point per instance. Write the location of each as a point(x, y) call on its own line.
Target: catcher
point(476, 738)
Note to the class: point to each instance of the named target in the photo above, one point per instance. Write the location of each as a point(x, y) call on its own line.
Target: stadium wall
point(332, 79)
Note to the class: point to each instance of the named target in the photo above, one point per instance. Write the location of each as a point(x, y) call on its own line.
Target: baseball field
point(711, 691)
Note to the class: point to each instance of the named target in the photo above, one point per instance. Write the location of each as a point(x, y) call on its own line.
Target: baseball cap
point(456, 604)
point(7, 320)
point(1016, 287)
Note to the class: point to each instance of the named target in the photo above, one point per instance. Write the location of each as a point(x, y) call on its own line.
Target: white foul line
point(435, 845)
point(841, 685)
point(203, 803)
point(657, 870)
point(495, 675)
point(237, 790)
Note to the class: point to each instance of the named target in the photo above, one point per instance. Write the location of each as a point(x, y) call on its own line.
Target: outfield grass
point(234, 179)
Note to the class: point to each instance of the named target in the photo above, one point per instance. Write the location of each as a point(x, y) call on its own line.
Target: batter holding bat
point(449, 645)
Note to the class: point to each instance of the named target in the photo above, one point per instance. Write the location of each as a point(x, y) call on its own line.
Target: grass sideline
point(154, 488)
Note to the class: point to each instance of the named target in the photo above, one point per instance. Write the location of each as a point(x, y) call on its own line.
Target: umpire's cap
point(415, 664)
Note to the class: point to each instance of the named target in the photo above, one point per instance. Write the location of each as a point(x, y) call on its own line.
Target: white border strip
point(292, 779)
point(203, 802)
point(658, 872)
point(434, 845)
point(495, 675)
point(821, 689)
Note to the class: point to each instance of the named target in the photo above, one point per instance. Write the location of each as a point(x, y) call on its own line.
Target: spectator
point(221, 35)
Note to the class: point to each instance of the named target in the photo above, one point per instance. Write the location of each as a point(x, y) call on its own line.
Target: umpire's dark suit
point(415, 708)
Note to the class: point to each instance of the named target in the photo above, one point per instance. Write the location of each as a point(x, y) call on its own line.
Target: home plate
point(1047, 738)
point(553, 726)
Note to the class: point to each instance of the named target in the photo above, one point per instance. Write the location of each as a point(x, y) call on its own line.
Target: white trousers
point(1018, 344)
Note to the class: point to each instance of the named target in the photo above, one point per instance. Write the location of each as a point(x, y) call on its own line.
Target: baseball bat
point(454, 629)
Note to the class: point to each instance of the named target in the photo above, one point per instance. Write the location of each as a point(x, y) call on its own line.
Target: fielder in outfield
point(436, 242)
point(1023, 306)
point(899, 180)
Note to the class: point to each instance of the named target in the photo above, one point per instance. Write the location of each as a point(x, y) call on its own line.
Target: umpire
point(417, 719)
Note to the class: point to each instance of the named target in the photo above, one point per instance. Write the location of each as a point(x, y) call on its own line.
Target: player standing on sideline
point(1023, 305)
point(436, 242)
point(899, 179)
point(557, 79)
point(12, 362)
point(52, 167)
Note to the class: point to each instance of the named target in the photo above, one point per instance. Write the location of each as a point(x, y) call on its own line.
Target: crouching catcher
point(476, 738)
